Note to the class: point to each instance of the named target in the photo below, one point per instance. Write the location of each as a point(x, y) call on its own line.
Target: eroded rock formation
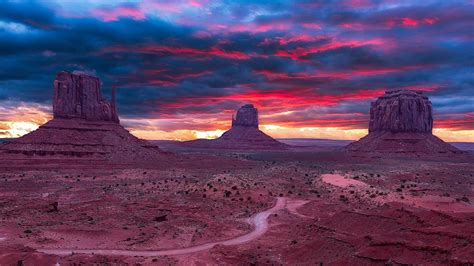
point(401, 122)
point(84, 127)
point(243, 135)
point(401, 111)
point(247, 116)
point(79, 96)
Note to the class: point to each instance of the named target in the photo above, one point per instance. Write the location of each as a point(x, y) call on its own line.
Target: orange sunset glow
point(24, 119)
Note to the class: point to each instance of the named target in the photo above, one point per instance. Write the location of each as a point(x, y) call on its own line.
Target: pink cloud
point(358, 3)
point(344, 74)
point(256, 28)
point(299, 38)
point(164, 6)
point(314, 26)
point(299, 52)
point(411, 22)
point(115, 13)
point(180, 51)
point(195, 3)
point(139, 11)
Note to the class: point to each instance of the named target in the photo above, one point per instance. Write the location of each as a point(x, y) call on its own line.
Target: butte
point(243, 135)
point(85, 128)
point(401, 122)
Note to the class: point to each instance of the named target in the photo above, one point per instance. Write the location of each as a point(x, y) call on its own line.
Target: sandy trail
point(259, 221)
point(292, 206)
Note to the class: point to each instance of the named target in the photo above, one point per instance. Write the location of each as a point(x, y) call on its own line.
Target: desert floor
point(270, 208)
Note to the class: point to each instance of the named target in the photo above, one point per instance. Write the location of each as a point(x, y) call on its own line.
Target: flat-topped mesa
point(401, 111)
point(247, 116)
point(79, 96)
point(401, 123)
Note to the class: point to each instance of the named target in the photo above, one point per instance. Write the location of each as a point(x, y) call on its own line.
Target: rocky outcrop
point(82, 140)
point(85, 128)
point(247, 116)
point(402, 143)
point(401, 111)
point(243, 135)
point(79, 96)
point(401, 122)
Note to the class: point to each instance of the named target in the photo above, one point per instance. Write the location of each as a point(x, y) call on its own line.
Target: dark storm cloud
point(180, 59)
point(31, 13)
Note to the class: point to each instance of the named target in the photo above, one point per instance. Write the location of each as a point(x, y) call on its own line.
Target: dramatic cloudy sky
point(183, 67)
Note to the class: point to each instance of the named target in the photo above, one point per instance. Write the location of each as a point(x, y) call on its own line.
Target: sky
point(183, 67)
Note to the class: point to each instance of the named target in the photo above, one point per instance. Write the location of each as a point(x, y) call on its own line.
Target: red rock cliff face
point(247, 116)
point(78, 96)
point(401, 111)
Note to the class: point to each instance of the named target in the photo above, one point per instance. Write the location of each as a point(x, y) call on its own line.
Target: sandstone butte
point(401, 122)
point(243, 135)
point(85, 127)
point(79, 96)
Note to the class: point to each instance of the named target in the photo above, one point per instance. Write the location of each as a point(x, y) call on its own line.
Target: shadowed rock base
point(402, 143)
point(240, 138)
point(82, 139)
